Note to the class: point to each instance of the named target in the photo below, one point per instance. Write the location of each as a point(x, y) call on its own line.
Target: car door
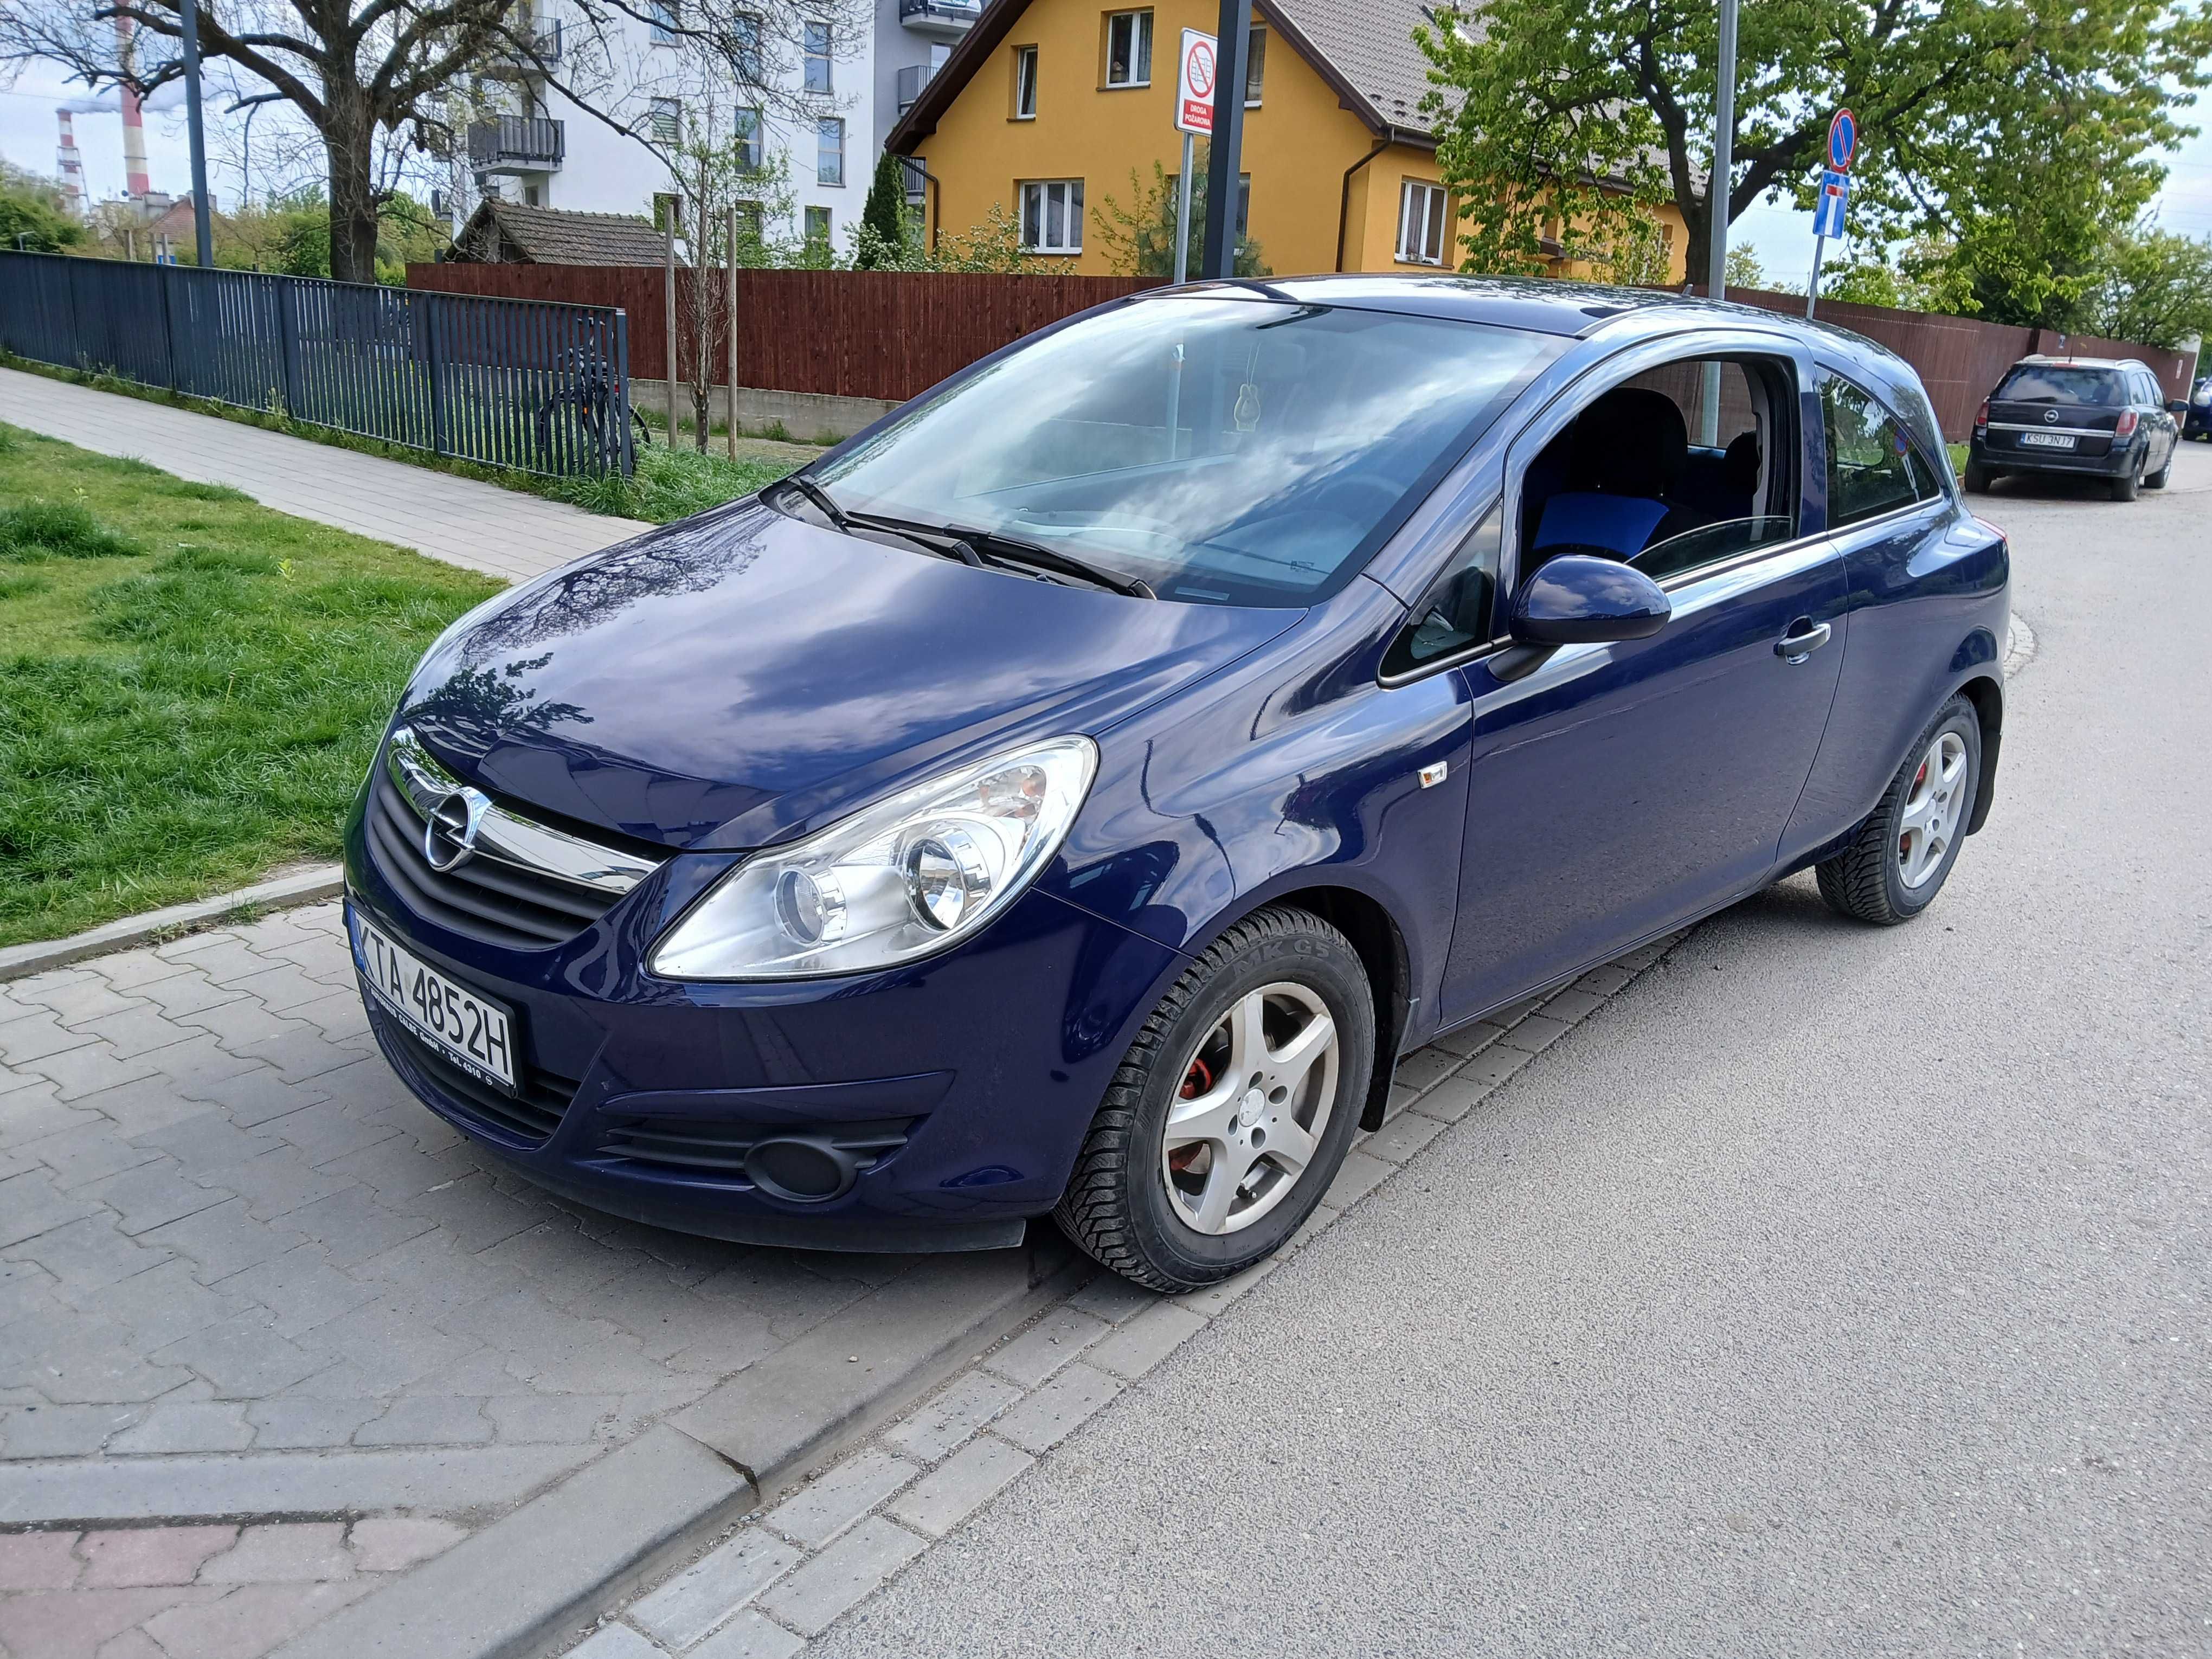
point(1615, 790)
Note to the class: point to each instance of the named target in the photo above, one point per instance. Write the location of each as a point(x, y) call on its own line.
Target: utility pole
point(203, 231)
point(1233, 52)
point(1717, 203)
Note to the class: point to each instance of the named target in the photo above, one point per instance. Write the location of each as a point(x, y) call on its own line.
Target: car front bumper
point(954, 1092)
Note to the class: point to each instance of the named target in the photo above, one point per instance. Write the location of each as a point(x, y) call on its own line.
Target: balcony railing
point(545, 41)
point(953, 15)
point(911, 79)
point(516, 143)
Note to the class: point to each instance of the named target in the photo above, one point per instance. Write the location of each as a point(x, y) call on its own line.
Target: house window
point(668, 212)
point(1129, 49)
point(1052, 216)
point(817, 57)
point(662, 18)
point(667, 120)
point(1255, 69)
point(746, 45)
point(817, 226)
point(1421, 215)
point(1026, 65)
point(747, 137)
point(829, 151)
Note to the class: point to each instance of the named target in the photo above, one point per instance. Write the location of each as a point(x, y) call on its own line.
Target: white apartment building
point(841, 81)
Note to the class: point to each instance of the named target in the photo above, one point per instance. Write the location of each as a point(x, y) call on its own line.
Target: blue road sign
point(1842, 140)
point(1835, 200)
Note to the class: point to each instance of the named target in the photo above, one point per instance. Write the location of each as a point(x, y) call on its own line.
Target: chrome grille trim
point(508, 837)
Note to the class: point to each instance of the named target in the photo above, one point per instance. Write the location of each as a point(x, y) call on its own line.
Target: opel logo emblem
point(2050, 417)
point(450, 836)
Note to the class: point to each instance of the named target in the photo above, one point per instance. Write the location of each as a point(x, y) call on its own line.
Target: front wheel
point(1902, 856)
point(1232, 1111)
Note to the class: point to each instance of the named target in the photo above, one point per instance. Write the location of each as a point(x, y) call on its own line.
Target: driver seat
point(1627, 452)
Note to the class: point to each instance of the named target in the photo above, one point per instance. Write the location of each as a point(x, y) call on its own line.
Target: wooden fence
point(850, 333)
point(1960, 359)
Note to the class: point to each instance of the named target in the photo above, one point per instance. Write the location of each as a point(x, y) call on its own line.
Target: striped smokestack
point(136, 183)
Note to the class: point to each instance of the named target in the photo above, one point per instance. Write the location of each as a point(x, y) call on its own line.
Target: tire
point(1883, 878)
point(2157, 480)
point(1979, 478)
point(1162, 1216)
point(2125, 486)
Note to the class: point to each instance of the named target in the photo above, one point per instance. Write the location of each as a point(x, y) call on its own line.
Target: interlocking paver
point(393, 1543)
point(296, 1422)
point(1425, 1067)
point(242, 1356)
point(954, 1416)
point(73, 996)
point(1145, 1341)
point(555, 1419)
point(38, 1561)
point(1212, 1299)
point(840, 1496)
point(164, 1303)
point(418, 1420)
point(205, 1144)
point(224, 1240)
point(810, 1599)
point(301, 1289)
point(1360, 1176)
point(1402, 1136)
point(62, 1430)
point(301, 1055)
point(1053, 1412)
point(129, 970)
point(134, 1557)
point(710, 1591)
point(188, 991)
point(31, 1204)
point(241, 1021)
point(1047, 1345)
point(968, 1481)
point(75, 1624)
point(88, 1253)
point(187, 1425)
point(283, 1552)
point(35, 1111)
point(255, 1094)
point(1469, 1039)
point(351, 1226)
point(25, 1288)
point(86, 1069)
point(250, 1619)
point(30, 1036)
point(331, 1131)
point(136, 1030)
point(87, 1151)
point(749, 1636)
point(153, 1196)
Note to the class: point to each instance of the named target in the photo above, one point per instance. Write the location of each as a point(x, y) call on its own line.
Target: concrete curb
point(2020, 647)
point(513, 1588)
point(305, 884)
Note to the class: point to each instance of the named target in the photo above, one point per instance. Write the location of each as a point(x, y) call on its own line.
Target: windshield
point(2098, 386)
point(1226, 449)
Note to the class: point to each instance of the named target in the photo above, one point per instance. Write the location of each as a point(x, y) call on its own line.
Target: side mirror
point(1578, 599)
point(2176, 406)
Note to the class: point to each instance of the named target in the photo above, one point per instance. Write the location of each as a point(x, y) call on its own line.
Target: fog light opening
point(800, 1171)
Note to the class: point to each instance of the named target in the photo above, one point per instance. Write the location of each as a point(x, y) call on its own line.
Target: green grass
point(191, 685)
point(1958, 454)
point(673, 483)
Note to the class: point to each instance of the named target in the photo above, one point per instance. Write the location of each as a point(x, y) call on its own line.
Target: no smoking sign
point(1194, 94)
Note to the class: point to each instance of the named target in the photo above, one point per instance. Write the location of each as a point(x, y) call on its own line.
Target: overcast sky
point(1782, 236)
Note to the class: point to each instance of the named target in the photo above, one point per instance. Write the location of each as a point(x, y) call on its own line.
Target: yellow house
point(1047, 106)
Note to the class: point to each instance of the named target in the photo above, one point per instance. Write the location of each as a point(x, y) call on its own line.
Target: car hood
point(742, 674)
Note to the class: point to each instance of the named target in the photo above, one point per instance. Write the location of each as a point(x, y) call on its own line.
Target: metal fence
point(533, 385)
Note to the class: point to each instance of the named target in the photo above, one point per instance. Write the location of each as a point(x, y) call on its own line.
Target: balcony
point(545, 41)
point(516, 143)
point(944, 19)
point(911, 79)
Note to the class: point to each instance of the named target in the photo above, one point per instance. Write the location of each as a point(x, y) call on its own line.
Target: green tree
point(880, 243)
point(1562, 117)
point(2152, 286)
point(32, 215)
point(1745, 269)
point(1141, 237)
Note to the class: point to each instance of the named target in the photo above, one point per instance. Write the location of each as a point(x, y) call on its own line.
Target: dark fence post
point(434, 312)
point(626, 454)
point(163, 279)
point(287, 344)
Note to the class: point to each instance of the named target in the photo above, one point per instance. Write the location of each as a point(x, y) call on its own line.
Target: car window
point(1227, 448)
point(1873, 467)
point(1455, 614)
point(2060, 383)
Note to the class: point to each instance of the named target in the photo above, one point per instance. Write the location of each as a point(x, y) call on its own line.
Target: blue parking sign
point(1835, 199)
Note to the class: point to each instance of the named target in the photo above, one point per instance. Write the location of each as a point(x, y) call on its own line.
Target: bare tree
point(373, 76)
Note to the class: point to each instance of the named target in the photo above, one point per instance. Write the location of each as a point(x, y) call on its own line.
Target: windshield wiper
point(1013, 550)
point(918, 536)
point(821, 499)
point(853, 523)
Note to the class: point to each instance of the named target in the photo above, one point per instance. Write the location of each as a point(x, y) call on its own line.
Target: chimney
point(136, 183)
point(71, 166)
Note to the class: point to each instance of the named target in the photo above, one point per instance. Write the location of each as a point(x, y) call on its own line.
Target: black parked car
point(2100, 415)
point(2197, 423)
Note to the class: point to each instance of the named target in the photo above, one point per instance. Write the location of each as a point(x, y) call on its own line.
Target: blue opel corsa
point(1073, 793)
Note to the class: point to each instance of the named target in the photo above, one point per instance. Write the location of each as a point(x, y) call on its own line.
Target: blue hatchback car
point(1070, 795)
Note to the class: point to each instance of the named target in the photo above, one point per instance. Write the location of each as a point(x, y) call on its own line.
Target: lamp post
point(203, 232)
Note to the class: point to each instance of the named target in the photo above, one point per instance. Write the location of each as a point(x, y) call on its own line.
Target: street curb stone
point(310, 885)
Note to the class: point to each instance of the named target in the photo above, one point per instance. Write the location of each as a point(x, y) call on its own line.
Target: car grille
point(710, 1145)
point(500, 893)
point(530, 1114)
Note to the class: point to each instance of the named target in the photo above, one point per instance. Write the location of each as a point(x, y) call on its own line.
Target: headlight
point(897, 880)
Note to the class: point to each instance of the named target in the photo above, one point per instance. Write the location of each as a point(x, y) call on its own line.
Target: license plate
point(472, 1031)
point(2047, 440)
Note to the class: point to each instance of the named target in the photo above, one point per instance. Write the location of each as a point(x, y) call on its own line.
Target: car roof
point(2042, 359)
point(1544, 305)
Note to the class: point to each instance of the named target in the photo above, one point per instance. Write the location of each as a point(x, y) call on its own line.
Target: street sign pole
point(1834, 199)
point(1717, 207)
point(1227, 144)
point(1813, 287)
point(203, 232)
point(1183, 211)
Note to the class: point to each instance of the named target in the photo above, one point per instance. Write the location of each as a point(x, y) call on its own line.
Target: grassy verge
point(191, 685)
point(669, 484)
point(1958, 453)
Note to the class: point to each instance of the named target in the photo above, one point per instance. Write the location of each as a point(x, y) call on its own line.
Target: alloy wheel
point(1252, 1107)
point(1933, 805)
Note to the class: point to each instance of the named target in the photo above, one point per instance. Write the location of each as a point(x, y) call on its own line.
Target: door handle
point(1804, 638)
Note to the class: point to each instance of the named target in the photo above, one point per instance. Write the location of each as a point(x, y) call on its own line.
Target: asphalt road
point(1829, 1291)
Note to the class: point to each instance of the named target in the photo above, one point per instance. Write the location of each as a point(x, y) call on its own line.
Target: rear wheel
point(1979, 478)
point(1232, 1111)
point(1903, 855)
point(2125, 486)
point(2157, 480)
